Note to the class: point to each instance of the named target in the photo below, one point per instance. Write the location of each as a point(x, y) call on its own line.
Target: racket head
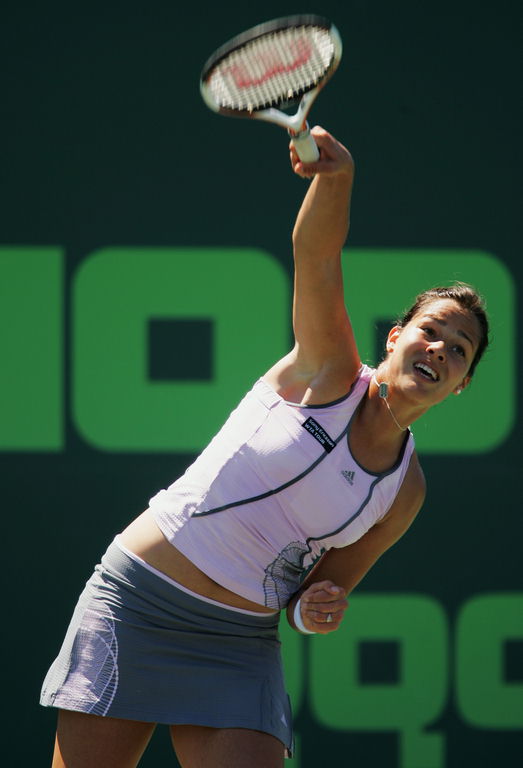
point(271, 66)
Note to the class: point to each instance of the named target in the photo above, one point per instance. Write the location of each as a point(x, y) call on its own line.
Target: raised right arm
point(324, 361)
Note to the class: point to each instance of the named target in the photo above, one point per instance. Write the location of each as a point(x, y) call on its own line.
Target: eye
point(428, 330)
point(459, 350)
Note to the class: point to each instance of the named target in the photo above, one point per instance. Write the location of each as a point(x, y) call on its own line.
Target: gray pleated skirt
point(139, 648)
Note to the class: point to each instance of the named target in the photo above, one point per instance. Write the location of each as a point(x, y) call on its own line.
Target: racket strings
point(272, 70)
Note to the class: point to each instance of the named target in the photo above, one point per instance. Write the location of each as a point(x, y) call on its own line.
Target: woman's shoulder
point(410, 497)
point(329, 385)
point(415, 482)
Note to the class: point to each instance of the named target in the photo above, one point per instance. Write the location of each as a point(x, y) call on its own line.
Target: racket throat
point(303, 133)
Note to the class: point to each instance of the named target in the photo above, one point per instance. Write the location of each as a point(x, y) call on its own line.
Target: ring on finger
point(329, 618)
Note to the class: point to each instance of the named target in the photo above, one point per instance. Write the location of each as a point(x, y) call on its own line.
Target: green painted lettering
point(31, 349)
point(485, 698)
point(341, 701)
point(242, 294)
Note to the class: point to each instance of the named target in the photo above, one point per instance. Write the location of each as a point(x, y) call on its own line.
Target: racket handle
point(305, 146)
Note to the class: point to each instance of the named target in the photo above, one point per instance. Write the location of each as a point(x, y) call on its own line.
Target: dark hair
point(466, 297)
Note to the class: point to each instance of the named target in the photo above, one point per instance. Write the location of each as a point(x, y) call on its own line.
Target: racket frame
point(296, 124)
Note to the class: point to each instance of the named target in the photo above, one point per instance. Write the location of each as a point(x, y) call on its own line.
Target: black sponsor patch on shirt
point(319, 434)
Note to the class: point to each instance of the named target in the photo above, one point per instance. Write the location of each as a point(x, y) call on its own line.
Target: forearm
point(323, 220)
point(322, 223)
point(346, 567)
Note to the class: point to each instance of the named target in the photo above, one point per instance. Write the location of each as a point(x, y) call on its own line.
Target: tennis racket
point(272, 67)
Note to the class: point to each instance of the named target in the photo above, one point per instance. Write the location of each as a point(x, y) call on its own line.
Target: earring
point(459, 391)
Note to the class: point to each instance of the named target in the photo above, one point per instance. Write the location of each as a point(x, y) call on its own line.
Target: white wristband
point(300, 626)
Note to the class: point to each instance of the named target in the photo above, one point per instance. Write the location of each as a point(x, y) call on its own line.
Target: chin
point(423, 393)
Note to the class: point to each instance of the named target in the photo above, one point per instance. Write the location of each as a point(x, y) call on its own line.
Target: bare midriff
point(144, 538)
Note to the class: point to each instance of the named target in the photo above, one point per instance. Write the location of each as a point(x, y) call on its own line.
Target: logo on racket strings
point(271, 63)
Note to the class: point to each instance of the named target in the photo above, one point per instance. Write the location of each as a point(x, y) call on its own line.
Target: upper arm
point(322, 329)
point(348, 565)
point(324, 362)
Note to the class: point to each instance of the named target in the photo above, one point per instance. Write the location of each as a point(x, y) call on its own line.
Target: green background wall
point(145, 246)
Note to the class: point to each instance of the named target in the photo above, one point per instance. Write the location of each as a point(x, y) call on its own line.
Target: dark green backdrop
point(103, 146)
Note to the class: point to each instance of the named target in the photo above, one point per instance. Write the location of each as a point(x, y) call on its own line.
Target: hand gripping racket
point(272, 67)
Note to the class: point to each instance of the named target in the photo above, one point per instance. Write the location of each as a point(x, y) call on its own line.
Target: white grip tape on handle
point(306, 147)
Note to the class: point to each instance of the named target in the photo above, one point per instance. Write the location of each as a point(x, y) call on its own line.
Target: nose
point(437, 348)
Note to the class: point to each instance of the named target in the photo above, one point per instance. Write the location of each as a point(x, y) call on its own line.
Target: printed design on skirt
point(94, 659)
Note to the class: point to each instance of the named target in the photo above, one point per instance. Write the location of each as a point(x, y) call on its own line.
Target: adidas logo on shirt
point(348, 475)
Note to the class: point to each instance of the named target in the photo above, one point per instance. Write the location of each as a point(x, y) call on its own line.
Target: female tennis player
point(309, 481)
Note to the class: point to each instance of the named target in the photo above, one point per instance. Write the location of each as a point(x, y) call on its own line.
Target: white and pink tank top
point(275, 489)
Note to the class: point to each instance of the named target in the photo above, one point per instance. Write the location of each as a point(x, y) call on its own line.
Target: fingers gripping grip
point(305, 146)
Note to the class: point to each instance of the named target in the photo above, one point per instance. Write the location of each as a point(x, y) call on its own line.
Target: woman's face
point(430, 357)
